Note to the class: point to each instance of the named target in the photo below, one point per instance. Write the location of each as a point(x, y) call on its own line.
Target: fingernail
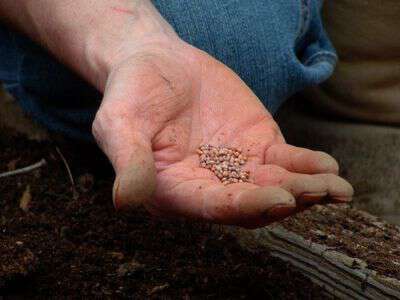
point(280, 211)
point(329, 165)
point(312, 197)
point(342, 199)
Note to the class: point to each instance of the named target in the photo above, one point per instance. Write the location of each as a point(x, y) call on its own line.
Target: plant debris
point(158, 289)
point(25, 170)
point(129, 268)
point(24, 202)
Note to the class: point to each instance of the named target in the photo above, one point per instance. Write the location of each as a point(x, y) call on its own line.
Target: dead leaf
point(24, 202)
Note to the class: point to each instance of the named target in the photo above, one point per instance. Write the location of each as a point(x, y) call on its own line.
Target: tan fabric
point(366, 83)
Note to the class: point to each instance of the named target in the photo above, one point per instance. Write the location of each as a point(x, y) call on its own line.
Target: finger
point(339, 190)
point(301, 160)
point(267, 205)
point(131, 156)
point(318, 189)
point(235, 204)
point(307, 189)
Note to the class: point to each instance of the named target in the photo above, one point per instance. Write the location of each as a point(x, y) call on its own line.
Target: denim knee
point(277, 47)
point(47, 90)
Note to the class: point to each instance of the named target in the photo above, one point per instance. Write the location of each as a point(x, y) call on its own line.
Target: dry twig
point(71, 178)
point(24, 170)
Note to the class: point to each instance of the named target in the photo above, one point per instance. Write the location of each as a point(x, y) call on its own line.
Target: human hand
point(162, 102)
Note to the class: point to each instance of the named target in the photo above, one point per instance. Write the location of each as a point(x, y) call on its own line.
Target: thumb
point(131, 155)
point(135, 181)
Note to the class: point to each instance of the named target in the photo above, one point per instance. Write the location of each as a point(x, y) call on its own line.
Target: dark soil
point(353, 232)
point(61, 244)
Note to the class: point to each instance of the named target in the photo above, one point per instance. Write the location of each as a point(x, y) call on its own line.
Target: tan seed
point(224, 162)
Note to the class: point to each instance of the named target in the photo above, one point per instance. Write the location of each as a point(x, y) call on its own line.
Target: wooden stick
point(341, 276)
point(24, 170)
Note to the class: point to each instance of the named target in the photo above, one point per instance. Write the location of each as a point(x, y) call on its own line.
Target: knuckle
point(97, 127)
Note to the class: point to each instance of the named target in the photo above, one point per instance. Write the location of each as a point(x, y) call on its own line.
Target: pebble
point(64, 231)
point(129, 268)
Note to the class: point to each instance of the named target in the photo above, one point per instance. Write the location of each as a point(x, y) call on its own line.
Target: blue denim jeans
point(278, 47)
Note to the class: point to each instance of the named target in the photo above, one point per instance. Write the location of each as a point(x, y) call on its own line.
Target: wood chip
point(24, 202)
point(158, 289)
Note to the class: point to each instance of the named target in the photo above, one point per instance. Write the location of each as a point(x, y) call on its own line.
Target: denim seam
point(304, 20)
point(323, 55)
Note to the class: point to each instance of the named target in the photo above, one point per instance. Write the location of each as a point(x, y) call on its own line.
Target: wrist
point(89, 36)
point(108, 44)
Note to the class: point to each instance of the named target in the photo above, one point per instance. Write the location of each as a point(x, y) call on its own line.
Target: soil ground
point(54, 242)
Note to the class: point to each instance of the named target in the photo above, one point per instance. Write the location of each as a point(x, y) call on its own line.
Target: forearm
point(87, 35)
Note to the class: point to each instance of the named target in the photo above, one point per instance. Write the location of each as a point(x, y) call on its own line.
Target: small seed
point(224, 162)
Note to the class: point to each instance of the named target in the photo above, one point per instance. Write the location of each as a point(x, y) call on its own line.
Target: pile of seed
point(226, 163)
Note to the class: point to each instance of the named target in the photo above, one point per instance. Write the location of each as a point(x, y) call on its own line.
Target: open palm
point(161, 104)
